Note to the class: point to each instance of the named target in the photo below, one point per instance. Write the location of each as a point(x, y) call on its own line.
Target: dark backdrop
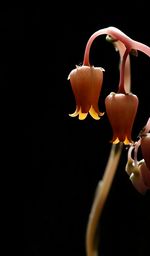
point(63, 158)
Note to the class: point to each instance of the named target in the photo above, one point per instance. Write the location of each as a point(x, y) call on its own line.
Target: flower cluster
point(121, 106)
point(139, 171)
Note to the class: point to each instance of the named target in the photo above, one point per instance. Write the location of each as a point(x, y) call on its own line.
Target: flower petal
point(82, 116)
point(93, 113)
point(138, 183)
point(127, 141)
point(116, 141)
point(74, 114)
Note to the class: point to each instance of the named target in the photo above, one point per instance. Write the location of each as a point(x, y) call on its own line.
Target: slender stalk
point(141, 47)
point(122, 72)
point(120, 47)
point(103, 188)
point(147, 126)
point(86, 60)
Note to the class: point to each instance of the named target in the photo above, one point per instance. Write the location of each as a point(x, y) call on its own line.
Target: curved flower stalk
point(117, 35)
point(121, 108)
point(120, 47)
point(139, 171)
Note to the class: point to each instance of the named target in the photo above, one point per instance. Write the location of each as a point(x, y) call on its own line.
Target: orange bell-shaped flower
point(121, 110)
point(86, 83)
point(145, 147)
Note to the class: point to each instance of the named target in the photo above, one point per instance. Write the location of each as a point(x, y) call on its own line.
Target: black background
point(64, 158)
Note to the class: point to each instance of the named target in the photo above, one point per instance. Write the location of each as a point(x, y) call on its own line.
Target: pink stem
point(141, 47)
point(147, 126)
point(116, 34)
point(130, 152)
point(136, 146)
point(119, 46)
point(128, 42)
point(86, 61)
point(122, 72)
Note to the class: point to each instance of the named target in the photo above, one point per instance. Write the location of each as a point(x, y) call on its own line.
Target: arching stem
point(86, 60)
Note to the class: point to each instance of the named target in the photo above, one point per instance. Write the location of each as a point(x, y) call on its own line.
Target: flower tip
point(73, 115)
point(82, 116)
point(138, 183)
point(127, 142)
point(96, 115)
point(68, 78)
point(101, 113)
point(102, 69)
point(116, 141)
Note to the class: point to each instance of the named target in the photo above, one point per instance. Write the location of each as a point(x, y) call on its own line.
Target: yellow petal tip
point(94, 114)
point(127, 142)
point(74, 114)
point(82, 116)
point(116, 141)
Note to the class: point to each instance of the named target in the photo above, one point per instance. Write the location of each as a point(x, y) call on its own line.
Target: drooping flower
point(86, 83)
point(121, 110)
point(139, 175)
point(139, 171)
